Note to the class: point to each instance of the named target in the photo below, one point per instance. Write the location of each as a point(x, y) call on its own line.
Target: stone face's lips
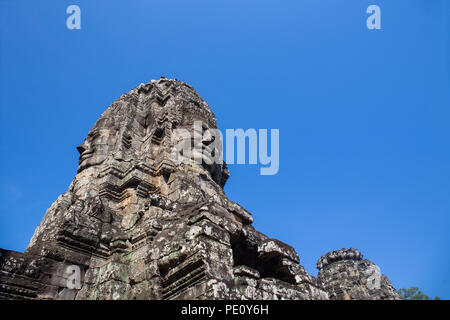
point(86, 155)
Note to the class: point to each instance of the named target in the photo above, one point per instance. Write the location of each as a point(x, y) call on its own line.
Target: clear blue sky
point(363, 115)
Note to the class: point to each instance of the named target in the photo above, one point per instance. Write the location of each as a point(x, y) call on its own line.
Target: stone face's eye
point(92, 135)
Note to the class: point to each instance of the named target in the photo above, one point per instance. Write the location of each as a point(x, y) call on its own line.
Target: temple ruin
point(140, 225)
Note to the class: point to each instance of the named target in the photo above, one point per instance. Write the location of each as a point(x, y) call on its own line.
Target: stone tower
point(347, 277)
point(136, 224)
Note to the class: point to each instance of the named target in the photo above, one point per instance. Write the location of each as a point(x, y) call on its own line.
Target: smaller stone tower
point(346, 276)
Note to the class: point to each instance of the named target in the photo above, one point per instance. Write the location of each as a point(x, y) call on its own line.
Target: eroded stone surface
point(347, 276)
point(140, 225)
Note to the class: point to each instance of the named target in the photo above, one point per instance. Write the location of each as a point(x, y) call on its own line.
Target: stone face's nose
point(207, 137)
point(81, 148)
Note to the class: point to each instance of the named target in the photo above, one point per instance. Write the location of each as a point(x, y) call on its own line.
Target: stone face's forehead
point(104, 122)
point(190, 118)
point(192, 112)
point(98, 131)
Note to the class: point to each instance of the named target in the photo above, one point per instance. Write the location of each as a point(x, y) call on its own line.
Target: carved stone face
point(205, 148)
point(95, 148)
point(125, 133)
